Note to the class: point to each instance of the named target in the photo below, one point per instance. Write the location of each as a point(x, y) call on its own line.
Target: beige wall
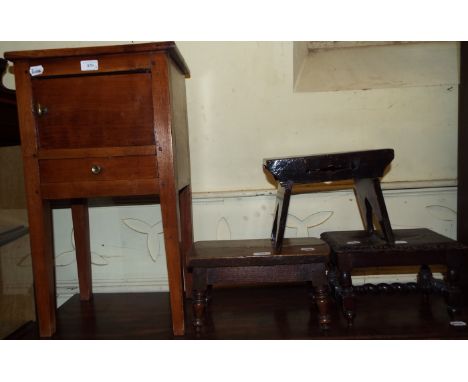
point(242, 108)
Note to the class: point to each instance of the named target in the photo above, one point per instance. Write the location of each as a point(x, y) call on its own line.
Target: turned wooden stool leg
point(453, 295)
point(424, 281)
point(199, 297)
point(321, 296)
point(198, 307)
point(208, 294)
point(347, 295)
point(281, 214)
point(322, 300)
point(332, 277)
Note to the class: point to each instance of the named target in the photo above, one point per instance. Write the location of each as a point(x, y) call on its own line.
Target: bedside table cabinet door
point(84, 111)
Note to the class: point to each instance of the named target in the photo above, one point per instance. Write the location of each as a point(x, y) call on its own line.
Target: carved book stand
point(365, 167)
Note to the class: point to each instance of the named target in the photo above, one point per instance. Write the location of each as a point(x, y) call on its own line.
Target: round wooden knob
point(96, 169)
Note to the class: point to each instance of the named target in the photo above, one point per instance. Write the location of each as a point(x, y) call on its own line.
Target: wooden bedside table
point(103, 122)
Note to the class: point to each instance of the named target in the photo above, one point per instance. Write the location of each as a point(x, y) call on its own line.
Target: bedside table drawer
point(100, 176)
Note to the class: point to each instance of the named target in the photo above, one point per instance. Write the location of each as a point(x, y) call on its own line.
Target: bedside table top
point(168, 46)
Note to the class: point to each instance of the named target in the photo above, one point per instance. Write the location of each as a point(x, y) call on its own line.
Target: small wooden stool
point(420, 247)
point(364, 167)
point(237, 262)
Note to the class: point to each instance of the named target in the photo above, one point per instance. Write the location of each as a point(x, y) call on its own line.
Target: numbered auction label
point(36, 70)
point(89, 65)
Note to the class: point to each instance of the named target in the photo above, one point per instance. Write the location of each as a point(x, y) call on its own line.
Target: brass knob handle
point(41, 110)
point(96, 169)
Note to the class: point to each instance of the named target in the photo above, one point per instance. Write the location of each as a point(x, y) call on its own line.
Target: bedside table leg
point(40, 230)
point(170, 213)
point(185, 203)
point(80, 218)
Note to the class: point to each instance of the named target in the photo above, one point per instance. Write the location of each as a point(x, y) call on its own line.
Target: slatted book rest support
point(364, 167)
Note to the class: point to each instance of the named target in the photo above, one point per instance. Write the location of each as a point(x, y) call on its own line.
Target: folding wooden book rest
point(365, 167)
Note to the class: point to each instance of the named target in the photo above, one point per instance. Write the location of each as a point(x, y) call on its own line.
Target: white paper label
point(401, 242)
point(89, 65)
point(458, 323)
point(36, 70)
point(308, 249)
point(261, 253)
point(353, 242)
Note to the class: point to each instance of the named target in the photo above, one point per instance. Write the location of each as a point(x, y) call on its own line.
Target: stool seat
point(257, 252)
point(412, 247)
point(237, 262)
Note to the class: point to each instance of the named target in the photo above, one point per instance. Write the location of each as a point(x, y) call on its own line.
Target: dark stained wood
point(364, 167)
point(330, 167)
point(372, 206)
point(411, 246)
point(462, 195)
point(283, 196)
point(422, 247)
point(269, 312)
point(255, 274)
point(9, 129)
point(169, 47)
point(112, 132)
point(257, 252)
point(462, 198)
point(124, 117)
point(238, 262)
point(80, 216)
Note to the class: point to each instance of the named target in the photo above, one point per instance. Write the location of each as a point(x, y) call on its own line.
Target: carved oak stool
point(364, 167)
point(237, 262)
point(412, 247)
